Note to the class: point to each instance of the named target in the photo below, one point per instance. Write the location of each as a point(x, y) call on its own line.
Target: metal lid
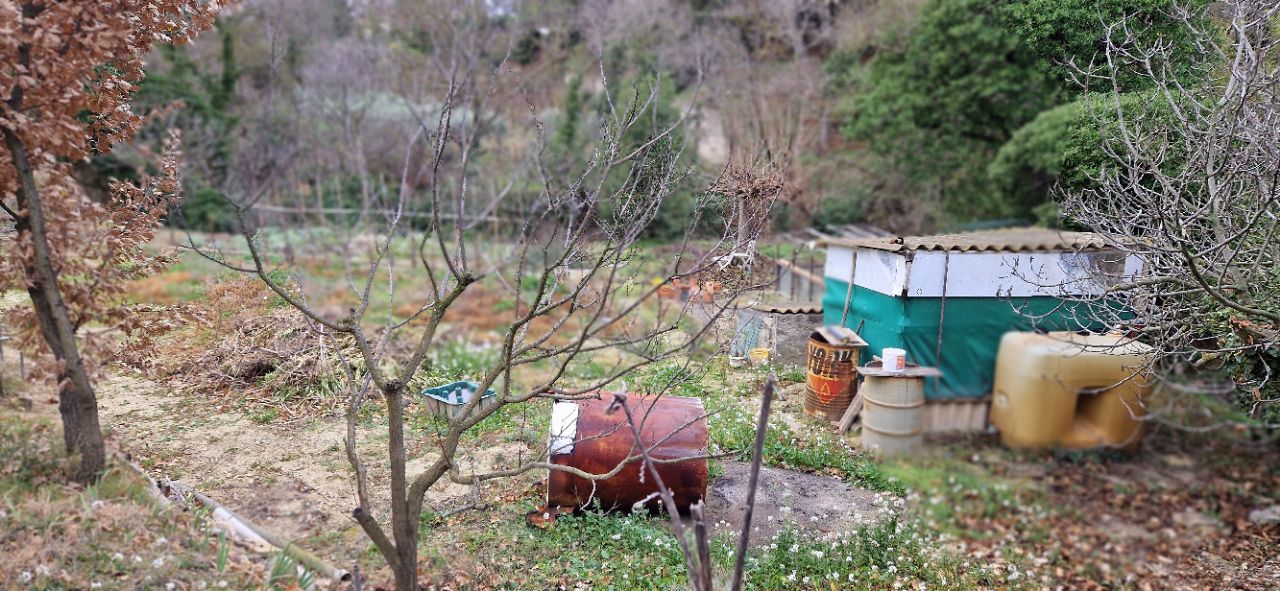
point(838, 335)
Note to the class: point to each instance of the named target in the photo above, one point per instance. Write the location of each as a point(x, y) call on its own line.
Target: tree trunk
point(407, 570)
point(77, 403)
point(404, 516)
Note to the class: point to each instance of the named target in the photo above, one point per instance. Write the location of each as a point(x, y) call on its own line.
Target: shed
point(947, 299)
point(783, 328)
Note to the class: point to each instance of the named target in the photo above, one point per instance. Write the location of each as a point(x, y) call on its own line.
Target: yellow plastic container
point(1062, 389)
point(758, 356)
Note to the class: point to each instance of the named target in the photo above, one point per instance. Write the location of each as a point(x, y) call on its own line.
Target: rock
point(1265, 516)
point(1198, 523)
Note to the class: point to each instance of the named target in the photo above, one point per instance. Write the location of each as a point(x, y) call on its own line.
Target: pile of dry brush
point(240, 340)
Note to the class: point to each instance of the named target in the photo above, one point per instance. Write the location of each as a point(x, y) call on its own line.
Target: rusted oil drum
point(830, 384)
point(585, 437)
point(893, 408)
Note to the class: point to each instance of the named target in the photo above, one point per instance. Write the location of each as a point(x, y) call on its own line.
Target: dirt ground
point(815, 502)
point(291, 478)
point(1173, 515)
point(285, 478)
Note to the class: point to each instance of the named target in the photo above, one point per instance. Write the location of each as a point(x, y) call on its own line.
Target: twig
point(740, 559)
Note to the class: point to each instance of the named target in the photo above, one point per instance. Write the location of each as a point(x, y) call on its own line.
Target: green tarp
point(970, 336)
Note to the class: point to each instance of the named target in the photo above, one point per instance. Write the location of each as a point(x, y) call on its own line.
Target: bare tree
point(1189, 188)
point(565, 255)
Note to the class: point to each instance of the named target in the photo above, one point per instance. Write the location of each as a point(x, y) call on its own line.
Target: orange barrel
point(830, 387)
point(585, 437)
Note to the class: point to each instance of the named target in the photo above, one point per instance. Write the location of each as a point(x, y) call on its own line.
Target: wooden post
point(794, 276)
point(777, 267)
point(813, 268)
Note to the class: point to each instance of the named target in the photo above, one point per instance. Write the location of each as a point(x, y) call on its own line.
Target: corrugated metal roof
point(840, 231)
point(787, 308)
point(1009, 240)
point(859, 231)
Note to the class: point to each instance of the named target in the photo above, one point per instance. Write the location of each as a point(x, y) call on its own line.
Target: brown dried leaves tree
point(69, 71)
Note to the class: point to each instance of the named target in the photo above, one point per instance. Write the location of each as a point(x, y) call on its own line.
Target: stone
point(1266, 516)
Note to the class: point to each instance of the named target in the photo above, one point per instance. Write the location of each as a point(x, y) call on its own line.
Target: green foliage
point(963, 77)
point(265, 415)
point(879, 556)
point(617, 550)
point(1074, 31)
point(791, 374)
point(638, 552)
point(665, 160)
point(206, 95)
point(956, 490)
point(204, 208)
point(566, 146)
point(527, 48)
point(941, 108)
point(1027, 167)
point(285, 574)
point(1063, 148)
point(975, 101)
point(845, 209)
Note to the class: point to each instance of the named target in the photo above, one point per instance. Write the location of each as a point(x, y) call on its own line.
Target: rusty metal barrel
point(831, 384)
point(584, 436)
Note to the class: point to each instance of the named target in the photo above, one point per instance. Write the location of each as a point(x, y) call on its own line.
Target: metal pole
point(942, 309)
point(848, 294)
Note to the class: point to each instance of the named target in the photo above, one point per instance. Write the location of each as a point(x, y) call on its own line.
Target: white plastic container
point(895, 359)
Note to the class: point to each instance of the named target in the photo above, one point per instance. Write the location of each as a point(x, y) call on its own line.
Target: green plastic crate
point(446, 401)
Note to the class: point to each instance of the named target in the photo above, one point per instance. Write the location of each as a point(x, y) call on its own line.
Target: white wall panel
point(981, 274)
point(882, 271)
point(839, 261)
point(985, 275)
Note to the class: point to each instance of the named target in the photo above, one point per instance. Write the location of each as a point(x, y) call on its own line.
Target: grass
point(887, 555)
point(948, 491)
point(264, 416)
point(639, 553)
point(732, 425)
